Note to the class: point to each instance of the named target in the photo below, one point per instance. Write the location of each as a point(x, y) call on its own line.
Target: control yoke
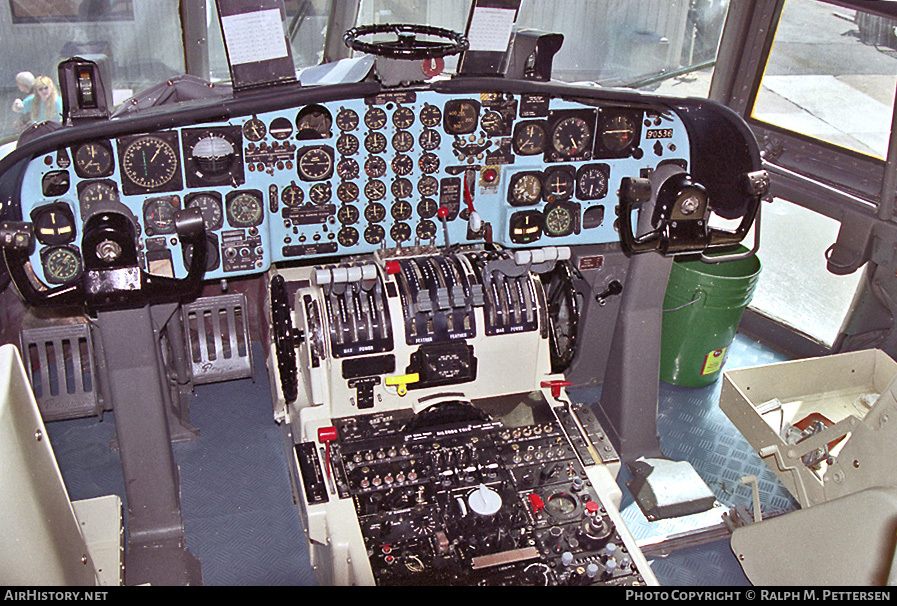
point(679, 223)
point(112, 277)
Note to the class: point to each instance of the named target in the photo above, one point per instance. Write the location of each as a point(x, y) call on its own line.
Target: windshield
point(652, 44)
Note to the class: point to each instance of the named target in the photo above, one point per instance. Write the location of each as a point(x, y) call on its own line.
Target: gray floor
point(241, 522)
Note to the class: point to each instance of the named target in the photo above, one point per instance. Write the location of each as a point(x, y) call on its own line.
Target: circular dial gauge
point(159, 215)
point(558, 184)
point(400, 232)
point(347, 168)
point(591, 183)
point(427, 208)
point(320, 193)
point(374, 212)
point(402, 164)
point(430, 115)
point(347, 236)
point(374, 167)
point(618, 132)
point(254, 129)
point(402, 141)
point(347, 192)
point(571, 136)
point(426, 230)
point(54, 225)
point(374, 234)
point(346, 119)
point(61, 265)
point(347, 215)
point(150, 162)
point(428, 186)
point(429, 139)
point(493, 123)
point(429, 163)
point(313, 122)
point(93, 159)
point(315, 164)
point(292, 195)
point(91, 193)
point(401, 211)
point(401, 188)
point(214, 154)
point(347, 144)
point(281, 128)
point(374, 189)
point(558, 221)
point(375, 142)
point(210, 207)
point(403, 117)
point(530, 138)
point(526, 190)
point(244, 209)
point(375, 118)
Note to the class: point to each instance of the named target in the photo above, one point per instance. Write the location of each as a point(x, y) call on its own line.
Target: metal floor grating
point(237, 505)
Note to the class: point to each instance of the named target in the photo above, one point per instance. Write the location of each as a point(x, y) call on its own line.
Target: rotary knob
point(484, 501)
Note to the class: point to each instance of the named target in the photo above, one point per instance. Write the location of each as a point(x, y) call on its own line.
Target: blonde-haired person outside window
point(45, 105)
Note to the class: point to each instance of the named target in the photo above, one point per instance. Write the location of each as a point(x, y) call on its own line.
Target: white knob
point(484, 501)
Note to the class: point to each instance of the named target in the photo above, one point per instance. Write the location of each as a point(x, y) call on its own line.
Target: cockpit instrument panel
point(353, 175)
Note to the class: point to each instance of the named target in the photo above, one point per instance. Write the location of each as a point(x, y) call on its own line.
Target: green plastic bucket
point(701, 311)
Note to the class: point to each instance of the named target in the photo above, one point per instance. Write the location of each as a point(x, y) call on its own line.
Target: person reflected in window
point(25, 83)
point(45, 104)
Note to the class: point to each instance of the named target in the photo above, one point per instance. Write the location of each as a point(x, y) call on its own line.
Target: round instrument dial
point(346, 119)
point(430, 115)
point(428, 186)
point(61, 264)
point(150, 162)
point(426, 230)
point(558, 221)
point(402, 164)
point(558, 184)
point(618, 132)
point(400, 232)
point(254, 129)
point(493, 123)
point(91, 193)
point(159, 215)
point(375, 118)
point(313, 122)
point(374, 212)
point(461, 116)
point(347, 168)
point(214, 154)
point(403, 117)
point(347, 144)
point(529, 138)
point(375, 142)
point(429, 163)
point(347, 236)
point(402, 141)
point(54, 224)
point(374, 189)
point(374, 167)
point(347, 215)
point(315, 164)
point(526, 190)
point(320, 193)
point(374, 234)
point(591, 183)
point(210, 207)
point(93, 159)
point(347, 192)
point(292, 195)
point(401, 211)
point(401, 188)
point(571, 136)
point(429, 139)
point(427, 208)
point(244, 209)
point(281, 128)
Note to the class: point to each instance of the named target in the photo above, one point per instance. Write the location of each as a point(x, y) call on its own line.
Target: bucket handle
point(699, 294)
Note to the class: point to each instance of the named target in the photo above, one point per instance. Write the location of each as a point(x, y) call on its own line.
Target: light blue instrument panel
point(350, 176)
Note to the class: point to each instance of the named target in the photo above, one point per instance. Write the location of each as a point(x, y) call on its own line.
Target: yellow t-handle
point(401, 382)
